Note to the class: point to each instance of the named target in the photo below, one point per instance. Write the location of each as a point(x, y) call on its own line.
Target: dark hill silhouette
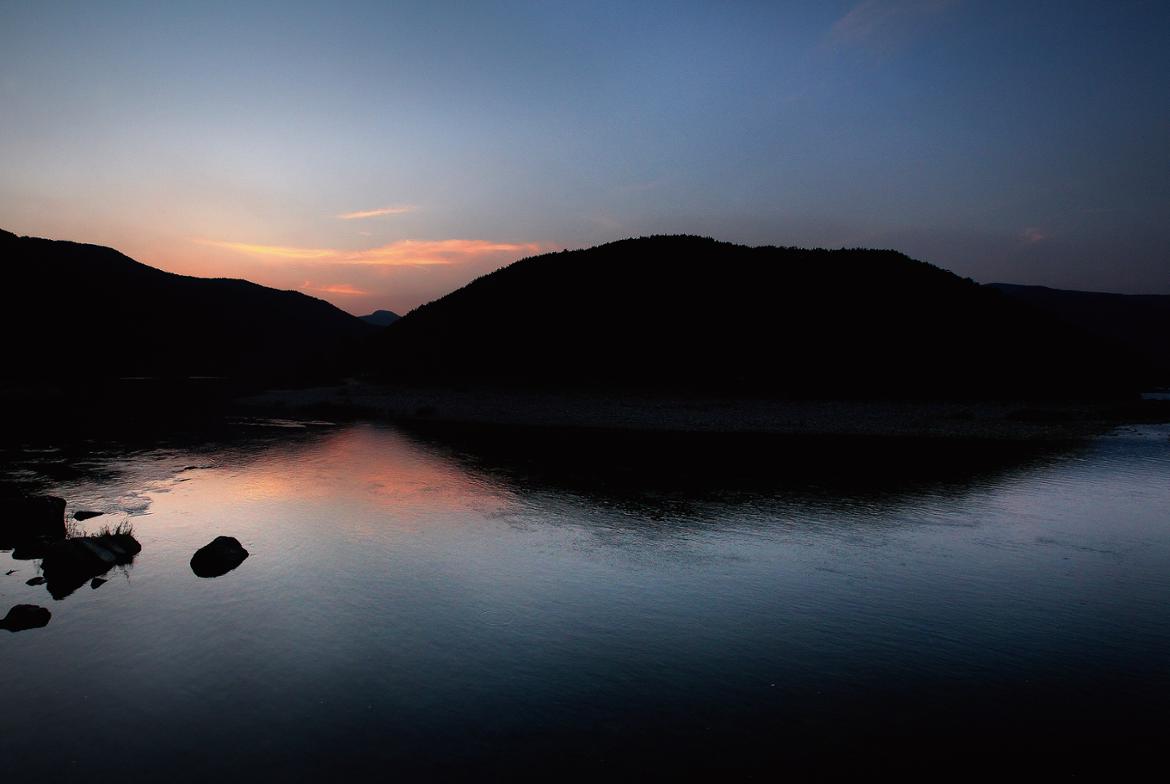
point(380, 318)
point(1140, 322)
point(80, 312)
point(776, 321)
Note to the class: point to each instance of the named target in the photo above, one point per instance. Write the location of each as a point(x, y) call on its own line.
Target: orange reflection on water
point(358, 480)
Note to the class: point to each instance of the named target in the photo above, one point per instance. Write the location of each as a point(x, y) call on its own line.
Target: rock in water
point(35, 581)
point(70, 564)
point(96, 583)
point(25, 616)
point(218, 558)
point(85, 514)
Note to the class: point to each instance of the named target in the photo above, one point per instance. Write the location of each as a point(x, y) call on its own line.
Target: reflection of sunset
point(411, 488)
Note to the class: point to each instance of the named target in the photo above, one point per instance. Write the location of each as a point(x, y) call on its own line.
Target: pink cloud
point(343, 289)
point(378, 213)
point(403, 253)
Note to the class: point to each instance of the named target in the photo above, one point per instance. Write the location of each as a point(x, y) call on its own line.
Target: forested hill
point(691, 313)
point(74, 311)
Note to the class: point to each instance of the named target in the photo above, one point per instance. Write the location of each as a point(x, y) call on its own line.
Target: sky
point(381, 154)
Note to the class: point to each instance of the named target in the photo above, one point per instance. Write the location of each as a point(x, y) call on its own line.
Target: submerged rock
point(97, 582)
point(26, 518)
point(70, 564)
point(35, 581)
point(85, 514)
point(219, 557)
point(25, 616)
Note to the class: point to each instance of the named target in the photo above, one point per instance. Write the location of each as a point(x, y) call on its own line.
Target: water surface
point(436, 605)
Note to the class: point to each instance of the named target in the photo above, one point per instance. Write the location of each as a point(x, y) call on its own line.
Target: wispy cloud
point(378, 213)
point(1033, 234)
point(338, 288)
point(886, 24)
point(274, 251)
point(404, 253)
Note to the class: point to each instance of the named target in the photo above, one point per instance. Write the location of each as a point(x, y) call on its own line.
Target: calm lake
point(424, 604)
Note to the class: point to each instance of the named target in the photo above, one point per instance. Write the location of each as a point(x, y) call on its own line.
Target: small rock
point(35, 581)
point(219, 557)
point(85, 514)
point(115, 548)
point(10, 571)
point(97, 582)
point(25, 616)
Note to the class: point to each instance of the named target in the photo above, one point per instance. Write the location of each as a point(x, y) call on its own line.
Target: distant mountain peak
point(380, 318)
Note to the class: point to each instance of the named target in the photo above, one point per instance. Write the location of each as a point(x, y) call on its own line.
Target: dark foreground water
point(430, 606)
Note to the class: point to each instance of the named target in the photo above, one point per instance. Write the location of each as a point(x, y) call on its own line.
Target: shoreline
point(661, 413)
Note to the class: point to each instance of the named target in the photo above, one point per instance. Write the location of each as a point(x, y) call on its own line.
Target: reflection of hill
point(660, 474)
point(774, 321)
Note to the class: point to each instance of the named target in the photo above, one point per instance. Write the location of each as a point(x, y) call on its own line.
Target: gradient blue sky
point(1016, 141)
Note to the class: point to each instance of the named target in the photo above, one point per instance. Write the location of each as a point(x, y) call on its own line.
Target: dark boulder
point(25, 616)
point(85, 514)
point(25, 518)
point(70, 564)
point(218, 558)
point(31, 550)
point(97, 582)
point(35, 581)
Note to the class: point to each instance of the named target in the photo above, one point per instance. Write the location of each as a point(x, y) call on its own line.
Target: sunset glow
point(339, 288)
point(401, 253)
point(363, 272)
point(404, 149)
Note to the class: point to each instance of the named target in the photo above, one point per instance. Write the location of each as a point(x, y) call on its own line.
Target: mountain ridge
point(76, 309)
point(1140, 322)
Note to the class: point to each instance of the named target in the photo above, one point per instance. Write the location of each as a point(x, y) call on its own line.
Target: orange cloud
point(340, 288)
point(400, 210)
point(403, 253)
point(275, 251)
